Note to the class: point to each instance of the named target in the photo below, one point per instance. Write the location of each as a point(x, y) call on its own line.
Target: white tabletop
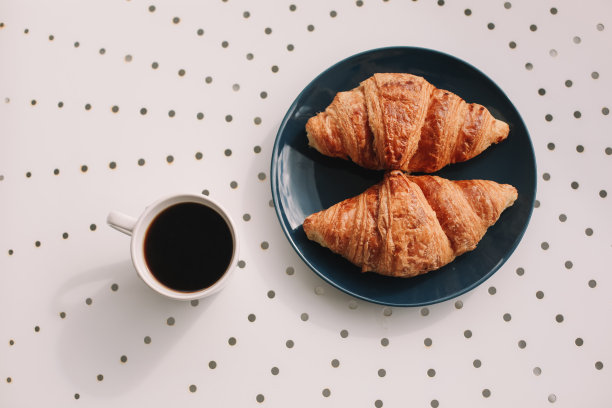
point(200, 89)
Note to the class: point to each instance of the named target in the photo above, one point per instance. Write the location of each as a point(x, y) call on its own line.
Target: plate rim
point(276, 193)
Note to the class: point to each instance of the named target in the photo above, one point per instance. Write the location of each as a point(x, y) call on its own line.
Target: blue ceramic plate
point(304, 181)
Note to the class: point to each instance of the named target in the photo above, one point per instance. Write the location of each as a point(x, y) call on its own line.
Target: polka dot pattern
point(170, 97)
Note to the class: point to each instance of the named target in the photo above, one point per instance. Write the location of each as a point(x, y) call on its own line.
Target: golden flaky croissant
point(402, 122)
point(408, 225)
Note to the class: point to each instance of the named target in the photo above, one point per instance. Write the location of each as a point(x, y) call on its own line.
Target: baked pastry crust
point(397, 121)
point(408, 225)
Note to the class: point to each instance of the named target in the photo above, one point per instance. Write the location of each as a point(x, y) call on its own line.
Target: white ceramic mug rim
point(137, 245)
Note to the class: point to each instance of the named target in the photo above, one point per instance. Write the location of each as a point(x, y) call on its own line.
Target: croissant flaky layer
point(402, 122)
point(408, 225)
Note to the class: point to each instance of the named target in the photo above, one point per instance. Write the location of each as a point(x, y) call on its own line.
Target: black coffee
point(188, 247)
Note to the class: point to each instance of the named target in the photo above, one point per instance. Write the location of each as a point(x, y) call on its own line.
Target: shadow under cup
point(184, 247)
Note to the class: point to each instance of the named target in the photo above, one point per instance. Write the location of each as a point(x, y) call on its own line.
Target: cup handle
point(121, 222)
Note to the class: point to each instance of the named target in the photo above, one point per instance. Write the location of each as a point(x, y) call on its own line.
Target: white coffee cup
point(139, 227)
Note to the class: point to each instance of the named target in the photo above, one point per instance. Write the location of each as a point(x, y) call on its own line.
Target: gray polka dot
point(151, 8)
point(512, 45)
point(546, 176)
point(194, 302)
point(181, 72)
point(208, 79)
point(529, 66)
point(551, 146)
point(228, 152)
point(170, 321)
point(289, 343)
point(102, 51)
point(424, 311)
point(559, 318)
point(155, 65)
point(87, 106)
point(490, 26)
point(599, 365)
point(522, 344)
point(257, 120)
point(252, 317)
point(123, 359)
point(231, 341)
point(431, 372)
point(62, 315)
point(115, 109)
point(205, 192)
point(541, 91)
point(545, 245)
point(552, 398)
point(176, 20)
point(467, 334)
point(259, 398)
point(507, 5)
point(577, 114)
point(492, 290)
point(228, 118)
point(114, 287)
point(588, 232)
point(458, 304)
point(359, 3)
point(428, 342)
point(274, 370)
point(224, 44)
point(575, 185)
point(249, 56)
point(128, 58)
point(143, 111)
point(193, 388)
point(569, 83)
point(333, 13)
point(310, 27)
point(233, 184)
point(537, 371)
point(171, 113)
point(290, 47)
point(595, 75)
point(246, 14)
point(507, 317)
point(257, 149)
point(77, 396)
point(326, 392)
point(387, 311)
point(241, 264)
point(246, 217)
point(344, 333)
point(51, 37)
point(261, 176)
point(539, 294)
point(265, 245)
point(592, 283)
point(290, 270)
point(198, 156)
point(37, 244)
point(569, 264)
point(533, 27)
point(88, 301)
point(335, 363)
point(147, 340)
point(292, 7)
point(271, 294)
point(100, 377)
point(11, 342)
point(352, 304)
point(553, 11)
point(36, 329)
point(212, 364)
point(562, 217)
point(608, 151)
point(579, 342)
point(304, 317)
point(382, 372)
point(486, 393)
point(600, 27)
point(378, 403)
point(603, 193)
point(141, 162)
point(577, 40)
point(548, 117)
point(169, 158)
point(65, 235)
point(477, 363)
point(434, 403)
point(268, 30)
point(384, 342)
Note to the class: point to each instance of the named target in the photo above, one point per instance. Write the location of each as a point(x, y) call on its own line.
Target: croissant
point(408, 225)
point(402, 122)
